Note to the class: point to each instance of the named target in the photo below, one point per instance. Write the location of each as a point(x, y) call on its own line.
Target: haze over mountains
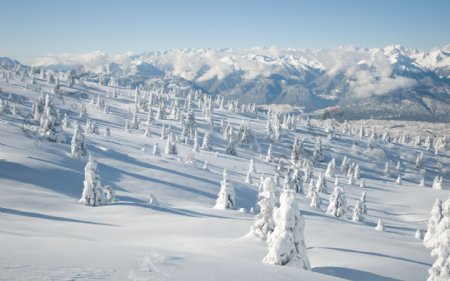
point(394, 82)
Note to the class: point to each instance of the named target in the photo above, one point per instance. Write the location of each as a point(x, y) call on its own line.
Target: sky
point(34, 28)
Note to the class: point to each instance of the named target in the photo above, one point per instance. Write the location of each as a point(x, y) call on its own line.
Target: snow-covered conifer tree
point(330, 170)
point(420, 161)
point(127, 127)
point(78, 144)
point(231, 149)
point(206, 144)
point(147, 132)
point(358, 212)
point(269, 157)
point(315, 199)
point(156, 150)
point(380, 225)
point(267, 201)
point(387, 169)
point(363, 203)
point(441, 267)
point(398, 181)
point(351, 179)
point(297, 181)
point(437, 183)
point(171, 145)
point(252, 168)
point(311, 188)
point(93, 194)
point(422, 182)
point(135, 121)
point(286, 244)
point(345, 165)
point(357, 172)
point(109, 194)
point(66, 122)
point(196, 147)
point(321, 184)
point(227, 196)
point(50, 123)
point(429, 239)
point(338, 203)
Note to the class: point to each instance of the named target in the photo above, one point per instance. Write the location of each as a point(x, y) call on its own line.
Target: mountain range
point(394, 82)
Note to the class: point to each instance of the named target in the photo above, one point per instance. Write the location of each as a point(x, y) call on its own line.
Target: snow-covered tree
point(286, 244)
point(66, 122)
point(437, 183)
point(380, 225)
point(420, 161)
point(398, 181)
point(252, 168)
point(135, 121)
point(440, 270)
point(318, 151)
point(351, 179)
point(345, 165)
point(156, 150)
point(147, 132)
point(109, 194)
point(311, 188)
point(78, 145)
point(429, 239)
point(161, 113)
point(358, 212)
point(362, 183)
point(287, 183)
point(227, 196)
point(269, 156)
point(127, 127)
point(196, 147)
point(422, 182)
point(171, 145)
point(357, 172)
point(267, 201)
point(205, 166)
point(152, 200)
point(93, 194)
point(231, 149)
point(248, 178)
point(315, 199)
point(297, 181)
point(83, 110)
point(50, 123)
point(321, 184)
point(338, 203)
point(387, 169)
point(330, 173)
point(206, 144)
point(363, 203)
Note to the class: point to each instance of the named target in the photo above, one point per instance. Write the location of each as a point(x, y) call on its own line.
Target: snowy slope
point(47, 235)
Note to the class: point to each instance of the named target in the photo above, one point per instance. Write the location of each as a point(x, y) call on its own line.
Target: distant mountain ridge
point(390, 82)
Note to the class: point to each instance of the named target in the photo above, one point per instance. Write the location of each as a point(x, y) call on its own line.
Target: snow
point(47, 235)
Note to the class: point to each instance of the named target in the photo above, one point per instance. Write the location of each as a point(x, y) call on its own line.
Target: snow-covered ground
point(45, 234)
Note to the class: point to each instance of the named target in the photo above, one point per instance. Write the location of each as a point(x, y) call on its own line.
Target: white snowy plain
point(45, 234)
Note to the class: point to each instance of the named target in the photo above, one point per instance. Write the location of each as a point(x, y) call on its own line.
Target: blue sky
point(36, 28)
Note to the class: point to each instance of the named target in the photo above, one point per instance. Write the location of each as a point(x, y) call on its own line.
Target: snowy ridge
point(47, 234)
